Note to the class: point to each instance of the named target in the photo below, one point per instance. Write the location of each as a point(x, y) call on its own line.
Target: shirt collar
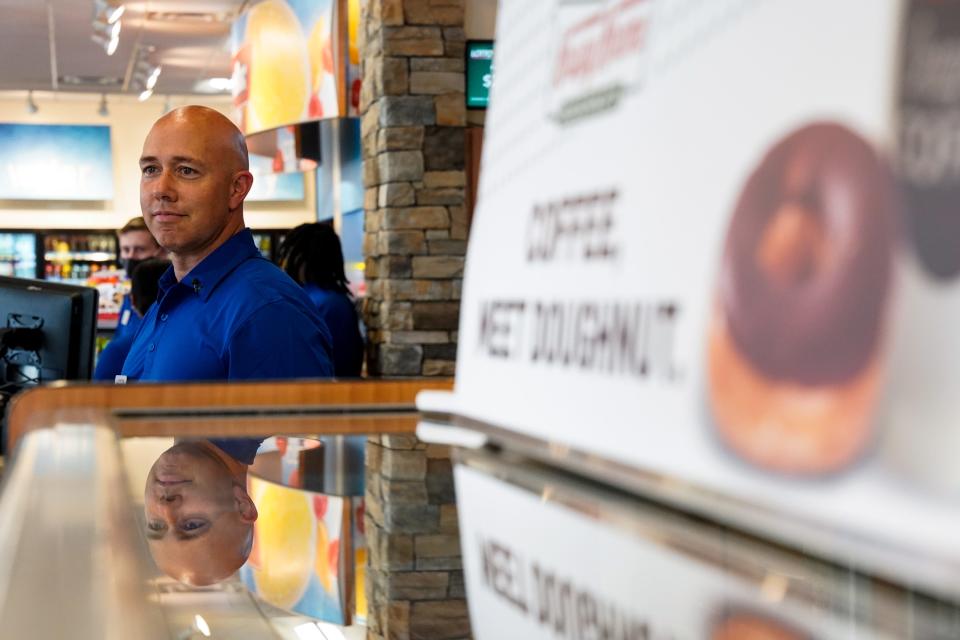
point(205, 277)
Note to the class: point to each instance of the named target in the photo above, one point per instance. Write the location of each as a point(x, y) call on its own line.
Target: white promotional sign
point(573, 577)
point(717, 242)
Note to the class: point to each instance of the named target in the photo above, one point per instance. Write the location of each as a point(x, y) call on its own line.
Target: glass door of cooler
point(268, 241)
point(87, 258)
point(73, 256)
point(18, 254)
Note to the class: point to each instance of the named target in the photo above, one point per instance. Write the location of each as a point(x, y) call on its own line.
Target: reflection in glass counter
point(307, 552)
point(198, 512)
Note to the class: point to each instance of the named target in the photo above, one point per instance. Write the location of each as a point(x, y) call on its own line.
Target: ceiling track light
point(103, 110)
point(109, 44)
point(153, 77)
point(106, 28)
point(31, 105)
point(144, 74)
point(111, 11)
point(145, 95)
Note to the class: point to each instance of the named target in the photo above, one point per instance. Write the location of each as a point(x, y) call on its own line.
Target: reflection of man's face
point(199, 516)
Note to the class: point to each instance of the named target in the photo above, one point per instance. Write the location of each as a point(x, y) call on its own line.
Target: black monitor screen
point(47, 331)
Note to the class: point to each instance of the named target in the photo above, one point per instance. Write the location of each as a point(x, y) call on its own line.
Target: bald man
point(223, 311)
point(198, 513)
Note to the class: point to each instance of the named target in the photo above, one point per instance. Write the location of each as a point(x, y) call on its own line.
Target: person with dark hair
point(311, 254)
point(143, 292)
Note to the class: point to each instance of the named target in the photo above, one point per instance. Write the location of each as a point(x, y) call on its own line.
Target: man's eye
point(192, 525)
point(155, 525)
point(188, 171)
point(150, 170)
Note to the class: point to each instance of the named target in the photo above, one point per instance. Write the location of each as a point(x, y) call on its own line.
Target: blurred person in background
point(311, 254)
point(136, 245)
point(144, 284)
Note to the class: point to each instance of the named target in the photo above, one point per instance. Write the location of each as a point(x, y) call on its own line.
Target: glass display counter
point(141, 511)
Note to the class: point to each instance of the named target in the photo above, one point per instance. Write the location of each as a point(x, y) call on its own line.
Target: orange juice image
point(279, 68)
point(286, 540)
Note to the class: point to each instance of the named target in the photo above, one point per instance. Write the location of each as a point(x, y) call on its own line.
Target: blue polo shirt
point(110, 361)
point(235, 316)
point(128, 322)
point(240, 449)
point(338, 313)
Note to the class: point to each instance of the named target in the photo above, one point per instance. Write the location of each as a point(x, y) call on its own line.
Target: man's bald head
point(214, 126)
point(209, 559)
point(198, 513)
point(194, 178)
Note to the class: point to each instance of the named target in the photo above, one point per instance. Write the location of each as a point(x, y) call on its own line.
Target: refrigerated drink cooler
point(62, 255)
point(72, 256)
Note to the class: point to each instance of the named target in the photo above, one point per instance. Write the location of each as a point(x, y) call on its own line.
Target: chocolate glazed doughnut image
point(794, 345)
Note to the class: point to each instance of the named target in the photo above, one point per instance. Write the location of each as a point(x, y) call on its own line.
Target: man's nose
point(167, 495)
point(169, 504)
point(163, 188)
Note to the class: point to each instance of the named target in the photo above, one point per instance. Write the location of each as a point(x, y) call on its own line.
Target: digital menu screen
point(479, 73)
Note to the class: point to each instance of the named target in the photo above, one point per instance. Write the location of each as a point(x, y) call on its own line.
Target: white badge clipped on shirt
point(119, 379)
point(125, 320)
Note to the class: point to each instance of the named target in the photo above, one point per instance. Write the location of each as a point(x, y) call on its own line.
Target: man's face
point(199, 521)
point(189, 194)
point(138, 245)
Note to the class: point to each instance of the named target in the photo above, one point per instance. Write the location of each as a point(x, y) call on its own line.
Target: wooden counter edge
point(37, 407)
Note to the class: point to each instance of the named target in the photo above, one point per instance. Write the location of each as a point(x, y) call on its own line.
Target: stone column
point(414, 117)
point(413, 123)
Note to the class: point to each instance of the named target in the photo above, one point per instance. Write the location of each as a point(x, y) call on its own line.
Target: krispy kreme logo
point(598, 57)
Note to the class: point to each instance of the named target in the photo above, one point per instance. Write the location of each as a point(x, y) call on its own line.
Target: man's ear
point(245, 506)
point(242, 183)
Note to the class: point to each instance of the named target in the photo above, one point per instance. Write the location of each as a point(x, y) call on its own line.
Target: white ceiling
point(189, 47)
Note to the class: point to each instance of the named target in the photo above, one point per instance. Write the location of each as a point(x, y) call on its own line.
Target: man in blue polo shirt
point(223, 311)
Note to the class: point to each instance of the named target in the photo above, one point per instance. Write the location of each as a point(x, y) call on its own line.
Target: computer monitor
point(47, 331)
